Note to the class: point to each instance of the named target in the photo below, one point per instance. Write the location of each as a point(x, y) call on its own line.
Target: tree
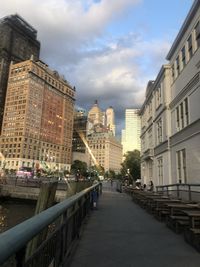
point(131, 165)
point(79, 167)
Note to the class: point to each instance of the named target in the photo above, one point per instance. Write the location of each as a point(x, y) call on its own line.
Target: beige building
point(106, 151)
point(170, 114)
point(95, 117)
point(110, 119)
point(38, 118)
point(131, 133)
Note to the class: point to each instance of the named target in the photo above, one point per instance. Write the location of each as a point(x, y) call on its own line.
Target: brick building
point(18, 41)
point(38, 118)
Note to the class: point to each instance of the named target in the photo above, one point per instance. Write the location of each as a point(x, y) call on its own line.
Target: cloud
point(75, 41)
point(118, 74)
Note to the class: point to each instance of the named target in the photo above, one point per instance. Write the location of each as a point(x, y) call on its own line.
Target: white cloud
point(115, 72)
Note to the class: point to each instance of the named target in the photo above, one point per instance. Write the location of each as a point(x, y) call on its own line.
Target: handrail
point(180, 184)
point(179, 187)
point(17, 237)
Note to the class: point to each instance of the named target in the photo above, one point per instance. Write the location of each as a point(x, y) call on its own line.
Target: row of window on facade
point(149, 109)
point(182, 120)
point(187, 51)
point(180, 164)
point(39, 73)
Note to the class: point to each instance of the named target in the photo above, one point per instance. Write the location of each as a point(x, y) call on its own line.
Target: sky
point(107, 49)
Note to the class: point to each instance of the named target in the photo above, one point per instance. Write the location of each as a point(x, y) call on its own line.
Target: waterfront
point(14, 211)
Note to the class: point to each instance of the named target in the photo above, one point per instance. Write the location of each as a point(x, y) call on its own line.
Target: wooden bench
point(192, 236)
point(177, 223)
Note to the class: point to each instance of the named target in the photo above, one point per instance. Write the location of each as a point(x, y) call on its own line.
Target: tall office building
point(110, 119)
point(38, 118)
point(131, 133)
point(18, 41)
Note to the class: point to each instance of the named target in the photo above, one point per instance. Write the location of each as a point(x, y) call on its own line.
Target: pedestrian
point(111, 182)
point(94, 198)
point(151, 186)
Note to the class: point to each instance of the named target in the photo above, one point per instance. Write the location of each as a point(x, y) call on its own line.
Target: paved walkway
point(121, 234)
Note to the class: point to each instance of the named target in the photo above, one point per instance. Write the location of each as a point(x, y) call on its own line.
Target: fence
point(61, 223)
point(188, 192)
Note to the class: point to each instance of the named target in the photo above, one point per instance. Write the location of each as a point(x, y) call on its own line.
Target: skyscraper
point(38, 119)
point(131, 133)
point(18, 41)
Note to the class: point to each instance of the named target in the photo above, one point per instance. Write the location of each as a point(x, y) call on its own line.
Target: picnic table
point(175, 208)
point(194, 217)
point(192, 234)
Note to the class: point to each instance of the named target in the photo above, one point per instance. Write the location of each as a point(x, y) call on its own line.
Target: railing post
point(189, 193)
point(20, 257)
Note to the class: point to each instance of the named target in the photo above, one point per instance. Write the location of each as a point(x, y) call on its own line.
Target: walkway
point(121, 234)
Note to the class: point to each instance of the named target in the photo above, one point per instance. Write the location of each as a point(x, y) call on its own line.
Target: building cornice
point(194, 81)
point(186, 133)
point(153, 86)
point(184, 27)
point(161, 148)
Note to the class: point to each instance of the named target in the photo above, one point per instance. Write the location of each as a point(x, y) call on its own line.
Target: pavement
point(121, 234)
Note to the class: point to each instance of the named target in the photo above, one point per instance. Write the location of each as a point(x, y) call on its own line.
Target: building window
point(177, 119)
point(159, 132)
point(186, 111)
point(197, 34)
point(158, 96)
point(182, 115)
point(173, 72)
point(177, 66)
point(183, 57)
point(160, 171)
point(181, 166)
point(189, 41)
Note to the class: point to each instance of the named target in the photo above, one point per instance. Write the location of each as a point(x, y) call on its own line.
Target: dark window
point(177, 65)
point(183, 56)
point(197, 34)
point(190, 46)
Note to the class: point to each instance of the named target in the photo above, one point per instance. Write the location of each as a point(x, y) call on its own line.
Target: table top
point(182, 205)
point(192, 213)
point(167, 200)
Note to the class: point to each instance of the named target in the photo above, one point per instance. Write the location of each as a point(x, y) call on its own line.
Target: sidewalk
point(121, 234)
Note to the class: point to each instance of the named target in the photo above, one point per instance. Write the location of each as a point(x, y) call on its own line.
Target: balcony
point(148, 154)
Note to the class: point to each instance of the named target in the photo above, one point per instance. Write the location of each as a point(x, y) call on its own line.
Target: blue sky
point(108, 49)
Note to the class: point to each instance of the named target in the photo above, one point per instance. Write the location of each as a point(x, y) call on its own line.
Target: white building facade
point(184, 58)
point(170, 114)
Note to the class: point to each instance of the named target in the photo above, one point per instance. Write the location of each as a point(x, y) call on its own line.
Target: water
point(13, 212)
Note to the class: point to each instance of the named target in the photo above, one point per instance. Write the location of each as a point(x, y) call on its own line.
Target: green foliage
point(131, 165)
point(112, 174)
point(79, 167)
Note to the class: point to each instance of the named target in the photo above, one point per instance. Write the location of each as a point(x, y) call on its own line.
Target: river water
point(13, 212)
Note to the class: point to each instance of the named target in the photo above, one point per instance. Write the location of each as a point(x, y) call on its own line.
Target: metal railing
point(62, 224)
point(189, 192)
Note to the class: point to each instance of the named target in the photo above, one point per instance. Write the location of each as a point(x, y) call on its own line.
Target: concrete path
point(121, 234)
